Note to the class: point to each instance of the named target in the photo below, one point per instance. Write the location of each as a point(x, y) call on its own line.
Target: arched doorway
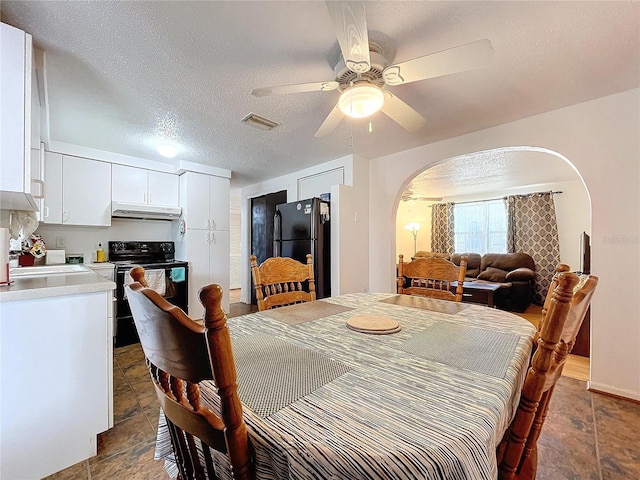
point(494, 174)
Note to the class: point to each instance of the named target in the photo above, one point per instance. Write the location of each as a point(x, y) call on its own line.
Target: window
point(480, 227)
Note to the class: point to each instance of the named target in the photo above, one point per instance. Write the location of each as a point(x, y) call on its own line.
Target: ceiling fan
point(409, 195)
point(363, 74)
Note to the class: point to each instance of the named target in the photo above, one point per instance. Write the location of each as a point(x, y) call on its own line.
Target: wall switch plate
point(61, 242)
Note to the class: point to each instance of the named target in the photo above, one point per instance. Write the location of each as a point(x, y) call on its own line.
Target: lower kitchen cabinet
point(208, 254)
point(56, 381)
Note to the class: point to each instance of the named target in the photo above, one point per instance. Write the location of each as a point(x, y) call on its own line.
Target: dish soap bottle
point(100, 254)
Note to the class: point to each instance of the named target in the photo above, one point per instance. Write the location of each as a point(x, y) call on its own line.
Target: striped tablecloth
point(386, 406)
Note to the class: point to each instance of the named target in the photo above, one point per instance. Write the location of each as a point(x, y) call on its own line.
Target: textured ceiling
point(121, 73)
point(493, 171)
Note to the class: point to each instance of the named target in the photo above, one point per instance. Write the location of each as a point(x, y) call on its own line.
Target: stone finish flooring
point(586, 435)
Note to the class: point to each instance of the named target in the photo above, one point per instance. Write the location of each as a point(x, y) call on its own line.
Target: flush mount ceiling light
point(361, 100)
point(166, 150)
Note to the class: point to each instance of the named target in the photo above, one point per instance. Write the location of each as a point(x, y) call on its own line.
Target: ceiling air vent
point(259, 122)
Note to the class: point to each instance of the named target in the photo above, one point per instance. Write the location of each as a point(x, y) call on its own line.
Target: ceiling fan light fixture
point(361, 100)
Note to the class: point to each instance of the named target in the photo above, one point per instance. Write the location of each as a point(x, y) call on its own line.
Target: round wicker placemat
point(373, 324)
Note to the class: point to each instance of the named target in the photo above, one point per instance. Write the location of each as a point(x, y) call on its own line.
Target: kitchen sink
point(48, 270)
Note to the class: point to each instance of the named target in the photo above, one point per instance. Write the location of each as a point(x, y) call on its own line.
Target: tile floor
point(586, 436)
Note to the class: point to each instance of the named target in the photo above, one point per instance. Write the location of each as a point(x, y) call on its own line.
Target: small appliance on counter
point(54, 257)
point(74, 258)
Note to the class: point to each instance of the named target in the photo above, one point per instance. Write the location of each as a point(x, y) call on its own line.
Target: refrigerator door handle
point(315, 218)
point(277, 236)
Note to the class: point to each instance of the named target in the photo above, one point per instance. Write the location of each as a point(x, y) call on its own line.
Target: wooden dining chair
point(564, 310)
point(432, 277)
point(180, 353)
point(281, 281)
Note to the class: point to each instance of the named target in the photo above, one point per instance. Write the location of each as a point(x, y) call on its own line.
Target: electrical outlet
point(61, 242)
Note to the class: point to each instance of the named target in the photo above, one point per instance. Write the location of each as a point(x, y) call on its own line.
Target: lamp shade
point(361, 100)
point(412, 227)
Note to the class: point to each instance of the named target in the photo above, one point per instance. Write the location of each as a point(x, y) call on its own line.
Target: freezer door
point(293, 221)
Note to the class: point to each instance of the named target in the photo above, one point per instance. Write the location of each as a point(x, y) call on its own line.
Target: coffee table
point(473, 292)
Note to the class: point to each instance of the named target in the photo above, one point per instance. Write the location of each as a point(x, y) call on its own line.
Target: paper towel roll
point(4, 255)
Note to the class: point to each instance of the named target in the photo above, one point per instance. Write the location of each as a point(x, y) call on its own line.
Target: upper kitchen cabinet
point(78, 191)
point(146, 187)
point(16, 188)
point(205, 201)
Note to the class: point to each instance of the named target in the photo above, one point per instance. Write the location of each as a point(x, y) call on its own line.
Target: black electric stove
point(150, 256)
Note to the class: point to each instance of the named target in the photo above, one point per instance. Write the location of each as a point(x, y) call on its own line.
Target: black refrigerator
point(303, 227)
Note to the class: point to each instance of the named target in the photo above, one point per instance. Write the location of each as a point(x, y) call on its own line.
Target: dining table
point(427, 394)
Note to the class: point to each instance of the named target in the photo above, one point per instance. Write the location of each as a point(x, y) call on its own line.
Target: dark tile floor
point(586, 436)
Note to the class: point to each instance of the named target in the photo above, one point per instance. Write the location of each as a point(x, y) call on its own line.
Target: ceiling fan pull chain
point(370, 124)
point(351, 133)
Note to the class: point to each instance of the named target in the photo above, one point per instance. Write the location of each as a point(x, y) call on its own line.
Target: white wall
point(85, 240)
point(601, 139)
point(350, 232)
point(235, 262)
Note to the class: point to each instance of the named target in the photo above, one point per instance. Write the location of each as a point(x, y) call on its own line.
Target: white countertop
point(53, 285)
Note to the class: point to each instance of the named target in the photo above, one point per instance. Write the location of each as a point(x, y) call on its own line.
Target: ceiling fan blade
point(350, 23)
point(402, 113)
point(330, 123)
point(297, 88)
point(458, 59)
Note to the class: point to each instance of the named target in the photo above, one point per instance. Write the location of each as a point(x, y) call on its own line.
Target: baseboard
point(614, 392)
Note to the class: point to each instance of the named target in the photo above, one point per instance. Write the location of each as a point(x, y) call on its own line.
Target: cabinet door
point(219, 203)
point(196, 250)
point(37, 180)
point(86, 193)
point(128, 184)
point(163, 189)
point(52, 202)
point(219, 251)
point(197, 200)
point(15, 105)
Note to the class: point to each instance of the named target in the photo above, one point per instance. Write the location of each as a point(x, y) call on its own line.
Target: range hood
point(143, 211)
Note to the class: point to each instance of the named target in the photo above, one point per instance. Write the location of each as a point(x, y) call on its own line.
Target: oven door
point(170, 281)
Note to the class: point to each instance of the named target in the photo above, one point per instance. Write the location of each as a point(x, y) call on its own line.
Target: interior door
point(262, 210)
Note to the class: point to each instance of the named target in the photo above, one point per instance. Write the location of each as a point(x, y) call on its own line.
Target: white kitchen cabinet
point(52, 201)
point(205, 241)
point(55, 381)
point(208, 254)
point(78, 191)
point(15, 107)
point(37, 178)
point(148, 187)
point(205, 202)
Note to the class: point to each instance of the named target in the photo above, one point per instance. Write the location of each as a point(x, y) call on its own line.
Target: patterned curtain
point(532, 229)
point(442, 239)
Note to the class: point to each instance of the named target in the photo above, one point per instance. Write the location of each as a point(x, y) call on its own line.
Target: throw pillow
point(493, 275)
point(520, 274)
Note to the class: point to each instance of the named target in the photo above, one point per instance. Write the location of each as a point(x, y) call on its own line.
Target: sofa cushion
point(493, 275)
point(506, 261)
point(473, 263)
point(424, 253)
point(520, 274)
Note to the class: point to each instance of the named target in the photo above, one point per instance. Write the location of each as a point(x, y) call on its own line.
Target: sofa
point(515, 272)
